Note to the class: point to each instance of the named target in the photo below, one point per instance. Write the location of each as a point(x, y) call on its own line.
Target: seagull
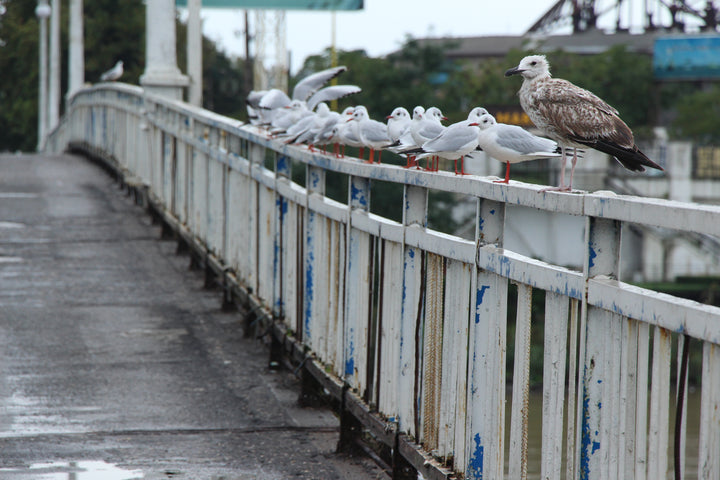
point(575, 117)
point(398, 124)
point(455, 141)
point(512, 144)
point(373, 134)
point(425, 125)
point(114, 73)
point(329, 133)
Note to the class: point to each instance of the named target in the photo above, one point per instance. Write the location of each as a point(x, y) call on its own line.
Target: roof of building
point(591, 42)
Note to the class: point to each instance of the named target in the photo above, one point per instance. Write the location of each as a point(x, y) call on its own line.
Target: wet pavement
point(116, 363)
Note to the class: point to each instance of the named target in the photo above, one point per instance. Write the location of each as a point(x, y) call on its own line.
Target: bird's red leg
point(456, 172)
point(361, 153)
point(379, 156)
point(507, 175)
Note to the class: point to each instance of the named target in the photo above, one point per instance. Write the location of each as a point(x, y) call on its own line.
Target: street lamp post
point(43, 11)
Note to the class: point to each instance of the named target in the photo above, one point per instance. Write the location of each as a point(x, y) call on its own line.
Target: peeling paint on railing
point(415, 321)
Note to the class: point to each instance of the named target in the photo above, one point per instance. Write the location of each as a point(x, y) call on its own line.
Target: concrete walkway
point(115, 363)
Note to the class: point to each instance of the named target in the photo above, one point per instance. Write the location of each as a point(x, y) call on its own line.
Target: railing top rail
point(655, 212)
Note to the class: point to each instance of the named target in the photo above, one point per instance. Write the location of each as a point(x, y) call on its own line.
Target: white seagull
point(373, 134)
point(398, 125)
point(512, 144)
point(575, 117)
point(455, 141)
point(114, 73)
point(425, 125)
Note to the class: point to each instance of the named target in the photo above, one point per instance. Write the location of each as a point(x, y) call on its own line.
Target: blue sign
point(280, 4)
point(687, 57)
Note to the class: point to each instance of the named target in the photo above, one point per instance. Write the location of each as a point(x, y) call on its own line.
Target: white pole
point(42, 11)
point(54, 90)
point(76, 53)
point(194, 52)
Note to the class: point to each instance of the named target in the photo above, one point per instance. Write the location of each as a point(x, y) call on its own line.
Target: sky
point(382, 26)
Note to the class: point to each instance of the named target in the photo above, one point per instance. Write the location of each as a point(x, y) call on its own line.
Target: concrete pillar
point(54, 90)
point(162, 75)
point(194, 52)
point(76, 49)
point(679, 169)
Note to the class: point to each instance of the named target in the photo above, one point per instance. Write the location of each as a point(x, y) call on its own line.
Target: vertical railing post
point(283, 172)
point(415, 202)
point(313, 252)
point(602, 257)
point(486, 369)
point(357, 288)
point(256, 155)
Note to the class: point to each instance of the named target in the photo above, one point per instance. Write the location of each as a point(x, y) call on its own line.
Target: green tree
point(698, 117)
point(113, 30)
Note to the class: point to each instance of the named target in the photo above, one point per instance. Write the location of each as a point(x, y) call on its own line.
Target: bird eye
point(533, 63)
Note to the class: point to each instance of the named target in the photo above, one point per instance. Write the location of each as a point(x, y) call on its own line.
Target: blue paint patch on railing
point(479, 300)
point(309, 266)
point(475, 466)
point(357, 195)
point(350, 366)
point(283, 165)
point(591, 256)
point(585, 442)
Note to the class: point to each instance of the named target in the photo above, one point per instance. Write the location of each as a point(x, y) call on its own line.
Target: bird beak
point(473, 124)
point(443, 118)
point(388, 117)
point(513, 71)
point(349, 119)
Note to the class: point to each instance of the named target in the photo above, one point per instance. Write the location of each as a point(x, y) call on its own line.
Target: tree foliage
point(113, 30)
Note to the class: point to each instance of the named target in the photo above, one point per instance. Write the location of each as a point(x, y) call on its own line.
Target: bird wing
point(453, 138)
point(312, 83)
point(333, 92)
point(575, 113)
point(525, 143)
point(274, 98)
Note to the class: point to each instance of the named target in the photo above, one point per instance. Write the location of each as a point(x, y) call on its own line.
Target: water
point(81, 470)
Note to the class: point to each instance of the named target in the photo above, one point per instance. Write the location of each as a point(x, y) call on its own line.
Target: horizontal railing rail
point(414, 322)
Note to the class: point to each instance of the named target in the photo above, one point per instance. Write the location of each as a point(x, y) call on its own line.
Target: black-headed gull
point(398, 125)
point(512, 144)
point(455, 141)
point(329, 133)
point(114, 73)
point(426, 125)
point(373, 134)
point(575, 117)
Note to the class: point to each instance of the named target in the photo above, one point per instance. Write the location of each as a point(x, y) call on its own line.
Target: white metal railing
point(414, 320)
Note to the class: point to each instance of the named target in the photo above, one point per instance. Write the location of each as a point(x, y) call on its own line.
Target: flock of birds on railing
point(572, 117)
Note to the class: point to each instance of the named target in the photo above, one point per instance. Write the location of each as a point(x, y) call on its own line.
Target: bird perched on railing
point(114, 73)
point(454, 141)
point(425, 125)
point(371, 133)
point(575, 117)
point(512, 144)
point(269, 108)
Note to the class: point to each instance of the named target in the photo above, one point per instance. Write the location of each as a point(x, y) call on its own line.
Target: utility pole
point(54, 90)
point(43, 11)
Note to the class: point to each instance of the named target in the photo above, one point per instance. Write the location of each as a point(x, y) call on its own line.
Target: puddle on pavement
point(11, 259)
point(81, 470)
point(11, 225)
point(17, 195)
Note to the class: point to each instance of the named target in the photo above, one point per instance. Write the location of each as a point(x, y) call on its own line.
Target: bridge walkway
point(114, 357)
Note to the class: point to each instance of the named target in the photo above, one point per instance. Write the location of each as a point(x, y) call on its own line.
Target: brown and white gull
point(575, 118)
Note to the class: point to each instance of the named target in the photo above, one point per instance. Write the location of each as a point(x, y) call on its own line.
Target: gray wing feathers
point(312, 83)
point(522, 141)
point(334, 92)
